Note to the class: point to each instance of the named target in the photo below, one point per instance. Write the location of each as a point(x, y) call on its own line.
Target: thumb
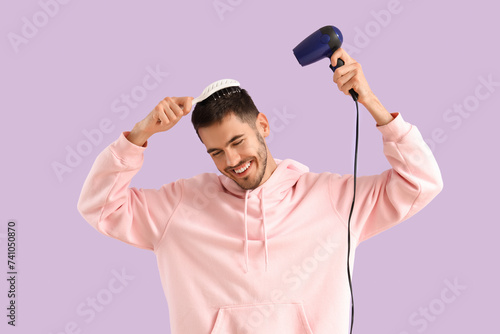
point(188, 105)
point(339, 54)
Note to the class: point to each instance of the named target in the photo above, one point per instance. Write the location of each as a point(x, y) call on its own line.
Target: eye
point(239, 142)
point(215, 154)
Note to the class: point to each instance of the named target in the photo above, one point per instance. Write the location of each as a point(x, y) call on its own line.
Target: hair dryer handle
point(340, 63)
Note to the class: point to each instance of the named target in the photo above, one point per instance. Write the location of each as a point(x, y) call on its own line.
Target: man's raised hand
point(351, 76)
point(162, 118)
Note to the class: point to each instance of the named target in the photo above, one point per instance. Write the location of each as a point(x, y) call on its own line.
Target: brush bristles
point(225, 92)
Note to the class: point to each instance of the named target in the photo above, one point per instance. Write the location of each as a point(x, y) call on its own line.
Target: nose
point(232, 158)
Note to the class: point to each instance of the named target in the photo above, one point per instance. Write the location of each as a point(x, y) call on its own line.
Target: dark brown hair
point(220, 104)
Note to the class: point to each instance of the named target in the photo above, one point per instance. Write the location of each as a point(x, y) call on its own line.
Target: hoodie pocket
point(266, 318)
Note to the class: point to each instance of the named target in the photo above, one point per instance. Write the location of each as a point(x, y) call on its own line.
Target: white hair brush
point(217, 89)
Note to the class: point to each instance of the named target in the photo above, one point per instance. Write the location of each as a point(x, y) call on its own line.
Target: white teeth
point(242, 169)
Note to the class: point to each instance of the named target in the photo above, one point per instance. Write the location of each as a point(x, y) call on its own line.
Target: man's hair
point(217, 106)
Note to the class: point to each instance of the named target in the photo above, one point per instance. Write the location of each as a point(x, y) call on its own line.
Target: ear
point(262, 125)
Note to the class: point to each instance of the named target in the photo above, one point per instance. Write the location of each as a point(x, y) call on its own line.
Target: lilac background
point(427, 58)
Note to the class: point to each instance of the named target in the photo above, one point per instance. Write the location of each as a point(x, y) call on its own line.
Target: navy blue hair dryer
point(321, 44)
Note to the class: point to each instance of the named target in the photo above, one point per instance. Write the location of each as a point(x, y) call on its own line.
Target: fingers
point(342, 54)
point(165, 115)
point(173, 104)
point(160, 113)
point(168, 112)
point(185, 103)
point(348, 76)
point(344, 76)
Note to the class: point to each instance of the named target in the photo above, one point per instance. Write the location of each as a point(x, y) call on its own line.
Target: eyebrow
point(210, 150)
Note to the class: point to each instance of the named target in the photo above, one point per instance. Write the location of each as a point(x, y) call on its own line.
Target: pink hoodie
point(269, 260)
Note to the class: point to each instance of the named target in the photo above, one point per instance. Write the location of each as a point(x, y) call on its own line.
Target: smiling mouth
point(242, 169)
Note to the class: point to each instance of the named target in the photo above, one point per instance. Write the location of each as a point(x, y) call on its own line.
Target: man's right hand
point(162, 118)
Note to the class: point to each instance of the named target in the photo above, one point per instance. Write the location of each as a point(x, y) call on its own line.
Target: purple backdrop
point(73, 79)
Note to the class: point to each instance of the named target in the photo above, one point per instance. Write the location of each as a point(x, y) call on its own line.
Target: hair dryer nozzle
point(320, 44)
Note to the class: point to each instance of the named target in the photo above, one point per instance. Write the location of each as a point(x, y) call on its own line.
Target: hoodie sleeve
point(385, 200)
point(135, 216)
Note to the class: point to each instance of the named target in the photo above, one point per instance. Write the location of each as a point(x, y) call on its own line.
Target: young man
point(261, 248)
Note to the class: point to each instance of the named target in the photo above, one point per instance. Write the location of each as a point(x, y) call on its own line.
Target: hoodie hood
point(281, 181)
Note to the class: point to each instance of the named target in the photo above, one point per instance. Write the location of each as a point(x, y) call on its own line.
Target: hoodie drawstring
point(246, 231)
point(264, 224)
point(262, 207)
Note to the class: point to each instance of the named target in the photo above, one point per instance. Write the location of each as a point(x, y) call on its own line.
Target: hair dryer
point(321, 44)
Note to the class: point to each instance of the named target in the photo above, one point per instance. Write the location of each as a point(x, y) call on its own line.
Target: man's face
point(238, 150)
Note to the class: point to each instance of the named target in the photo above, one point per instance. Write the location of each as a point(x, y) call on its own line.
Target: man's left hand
point(350, 76)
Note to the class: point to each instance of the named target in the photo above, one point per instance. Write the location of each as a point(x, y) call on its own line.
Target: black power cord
point(350, 213)
point(354, 95)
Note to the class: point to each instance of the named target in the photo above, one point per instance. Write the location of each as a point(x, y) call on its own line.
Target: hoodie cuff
point(395, 129)
point(127, 152)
